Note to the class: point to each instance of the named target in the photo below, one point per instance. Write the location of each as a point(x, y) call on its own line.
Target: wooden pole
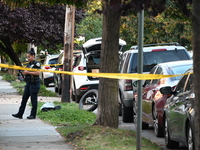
point(68, 52)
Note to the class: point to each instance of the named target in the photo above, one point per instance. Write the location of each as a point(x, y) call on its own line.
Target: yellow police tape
point(101, 75)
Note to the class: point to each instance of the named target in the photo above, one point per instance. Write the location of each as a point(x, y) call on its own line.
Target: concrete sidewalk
point(20, 134)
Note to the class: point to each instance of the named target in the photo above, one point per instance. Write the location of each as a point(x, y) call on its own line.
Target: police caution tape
point(100, 75)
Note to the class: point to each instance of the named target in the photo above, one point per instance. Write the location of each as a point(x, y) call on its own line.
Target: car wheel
point(127, 114)
point(76, 97)
point(59, 91)
point(169, 143)
point(145, 125)
point(157, 129)
point(55, 86)
point(45, 83)
point(119, 105)
point(190, 139)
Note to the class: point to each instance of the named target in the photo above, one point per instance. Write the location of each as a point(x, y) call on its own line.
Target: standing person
point(31, 88)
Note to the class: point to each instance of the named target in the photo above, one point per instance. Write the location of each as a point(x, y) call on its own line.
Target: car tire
point(56, 89)
point(190, 138)
point(145, 125)
point(168, 142)
point(90, 98)
point(55, 86)
point(157, 128)
point(76, 97)
point(120, 109)
point(127, 114)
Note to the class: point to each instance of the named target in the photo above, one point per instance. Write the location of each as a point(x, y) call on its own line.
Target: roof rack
point(160, 44)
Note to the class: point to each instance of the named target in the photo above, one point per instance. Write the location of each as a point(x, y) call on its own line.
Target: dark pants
point(30, 90)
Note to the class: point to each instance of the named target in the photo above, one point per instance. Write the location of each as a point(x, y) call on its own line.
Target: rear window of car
point(150, 59)
point(53, 61)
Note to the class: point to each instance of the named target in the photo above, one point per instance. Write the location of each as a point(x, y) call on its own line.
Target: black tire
point(46, 83)
point(145, 126)
point(119, 105)
point(89, 101)
point(127, 114)
point(120, 109)
point(159, 131)
point(190, 138)
point(56, 89)
point(55, 86)
point(76, 97)
point(168, 142)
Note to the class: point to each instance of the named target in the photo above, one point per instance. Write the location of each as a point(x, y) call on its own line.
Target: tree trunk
point(196, 56)
point(7, 49)
point(108, 88)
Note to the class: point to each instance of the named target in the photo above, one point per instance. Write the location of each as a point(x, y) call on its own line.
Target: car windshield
point(178, 70)
point(53, 61)
point(150, 59)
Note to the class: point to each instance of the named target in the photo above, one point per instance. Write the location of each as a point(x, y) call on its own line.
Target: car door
point(182, 106)
point(148, 93)
point(176, 107)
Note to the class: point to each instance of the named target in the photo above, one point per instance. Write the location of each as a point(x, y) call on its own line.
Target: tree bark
point(68, 52)
point(196, 56)
point(7, 49)
point(108, 88)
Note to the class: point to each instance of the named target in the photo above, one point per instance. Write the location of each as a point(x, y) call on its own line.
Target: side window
point(181, 84)
point(189, 83)
point(78, 60)
point(153, 70)
point(60, 59)
point(126, 63)
point(122, 62)
point(158, 71)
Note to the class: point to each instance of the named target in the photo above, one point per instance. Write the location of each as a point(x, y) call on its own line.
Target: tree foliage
point(36, 23)
point(40, 24)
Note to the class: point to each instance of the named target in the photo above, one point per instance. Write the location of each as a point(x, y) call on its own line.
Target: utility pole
point(68, 52)
point(140, 71)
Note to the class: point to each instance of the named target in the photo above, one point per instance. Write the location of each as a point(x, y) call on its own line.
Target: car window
point(153, 70)
point(178, 70)
point(158, 71)
point(181, 84)
point(53, 61)
point(77, 60)
point(126, 64)
point(150, 59)
point(60, 58)
point(189, 83)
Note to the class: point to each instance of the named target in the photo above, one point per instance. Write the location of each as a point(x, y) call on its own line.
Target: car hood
point(95, 45)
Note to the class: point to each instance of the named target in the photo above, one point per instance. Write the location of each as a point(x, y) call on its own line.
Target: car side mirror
point(167, 90)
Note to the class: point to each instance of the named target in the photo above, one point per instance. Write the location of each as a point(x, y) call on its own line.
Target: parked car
point(57, 76)
point(179, 113)
point(152, 55)
point(153, 101)
point(47, 77)
point(86, 62)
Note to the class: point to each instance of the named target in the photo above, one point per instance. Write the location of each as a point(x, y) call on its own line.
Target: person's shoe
point(17, 116)
point(31, 117)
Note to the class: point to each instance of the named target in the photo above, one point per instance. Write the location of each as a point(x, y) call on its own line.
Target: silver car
point(47, 77)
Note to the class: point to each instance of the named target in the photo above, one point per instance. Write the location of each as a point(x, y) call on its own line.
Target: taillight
point(156, 50)
point(47, 67)
point(128, 85)
point(60, 69)
point(81, 68)
point(83, 88)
